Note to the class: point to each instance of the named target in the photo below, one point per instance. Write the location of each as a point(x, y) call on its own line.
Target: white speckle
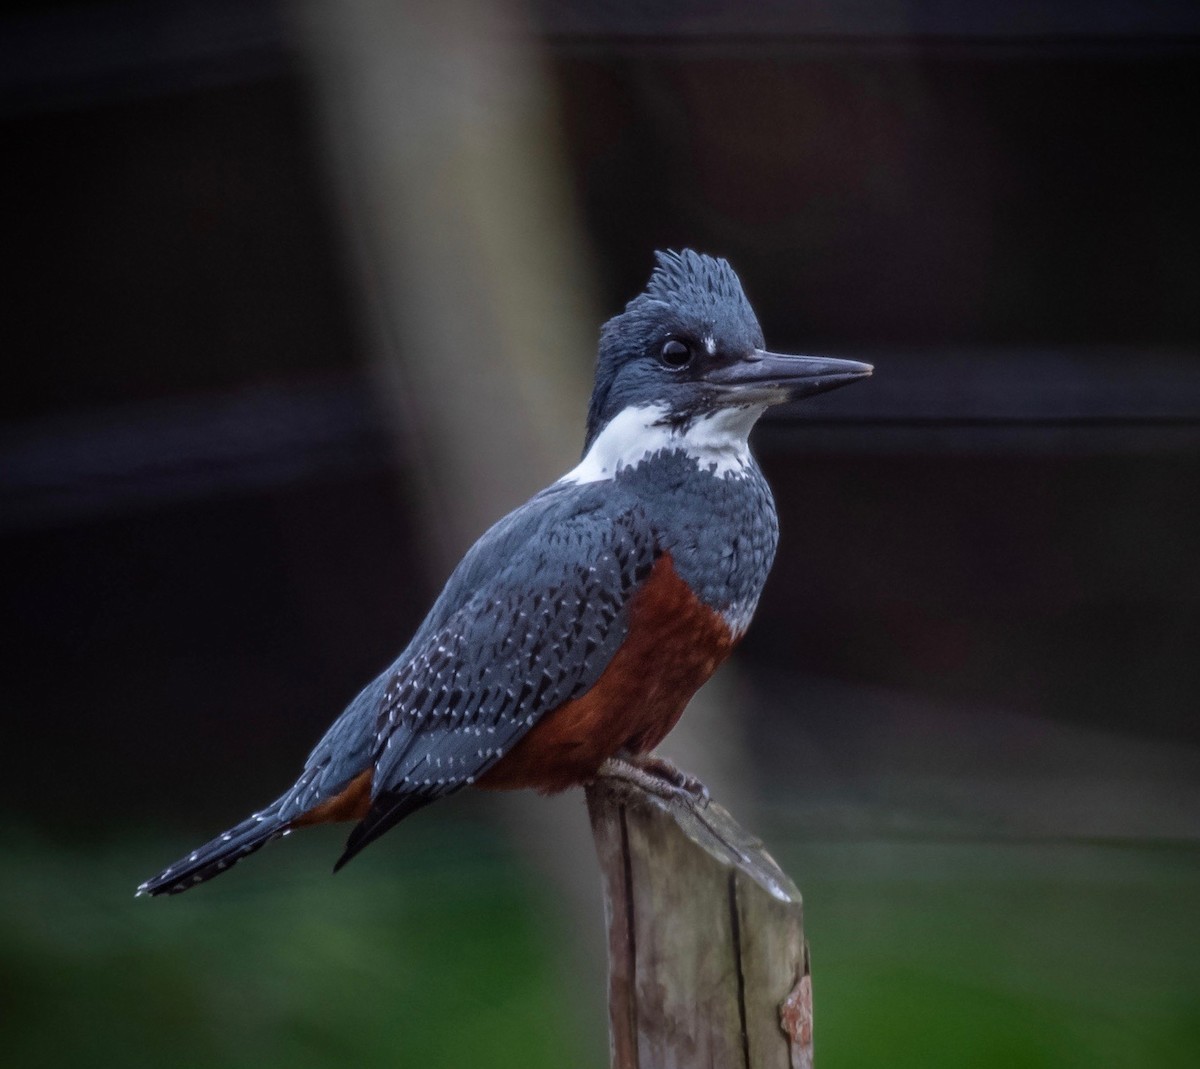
point(469, 779)
point(717, 442)
point(710, 345)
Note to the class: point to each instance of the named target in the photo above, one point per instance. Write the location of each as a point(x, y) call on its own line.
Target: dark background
point(969, 697)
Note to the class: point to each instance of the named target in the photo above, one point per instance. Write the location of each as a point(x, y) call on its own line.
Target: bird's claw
point(657, 776)
point(669, 771)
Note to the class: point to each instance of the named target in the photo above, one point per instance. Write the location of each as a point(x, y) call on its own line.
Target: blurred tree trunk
point(451, 190)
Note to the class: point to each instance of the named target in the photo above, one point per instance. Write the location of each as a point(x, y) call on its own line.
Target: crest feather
point(688, 277)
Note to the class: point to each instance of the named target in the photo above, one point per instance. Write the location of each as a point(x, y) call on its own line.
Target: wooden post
point(707, 961)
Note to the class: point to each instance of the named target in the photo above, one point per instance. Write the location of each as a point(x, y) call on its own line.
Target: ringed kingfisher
point(567, 642)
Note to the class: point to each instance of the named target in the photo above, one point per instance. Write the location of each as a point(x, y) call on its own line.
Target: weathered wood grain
point(707, 959)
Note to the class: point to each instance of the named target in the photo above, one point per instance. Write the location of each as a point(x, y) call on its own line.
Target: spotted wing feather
point(536, 634)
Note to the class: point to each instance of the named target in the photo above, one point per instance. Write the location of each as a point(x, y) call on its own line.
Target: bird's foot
point(656, 776)
point(669, 771)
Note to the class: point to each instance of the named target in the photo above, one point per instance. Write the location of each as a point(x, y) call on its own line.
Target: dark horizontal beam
point(59, 469)
point(73, 466)
point(895, 19)
point(70, 57)
point(1050, 402)
point(1019, 386)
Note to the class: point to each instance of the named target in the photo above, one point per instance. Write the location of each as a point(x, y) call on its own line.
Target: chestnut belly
point(675, 643)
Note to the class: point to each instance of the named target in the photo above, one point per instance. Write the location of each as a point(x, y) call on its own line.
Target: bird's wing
point(537, 630)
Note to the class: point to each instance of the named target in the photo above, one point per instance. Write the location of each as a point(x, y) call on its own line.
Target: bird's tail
point(225, 850)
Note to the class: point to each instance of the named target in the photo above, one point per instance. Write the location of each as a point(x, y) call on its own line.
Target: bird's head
point(691, 345)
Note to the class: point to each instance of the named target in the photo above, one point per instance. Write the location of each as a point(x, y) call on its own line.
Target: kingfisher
point(571, 636)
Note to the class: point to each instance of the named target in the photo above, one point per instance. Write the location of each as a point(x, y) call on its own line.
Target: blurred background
point(302, 297)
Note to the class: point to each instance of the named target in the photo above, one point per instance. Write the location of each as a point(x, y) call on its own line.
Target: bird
point(567, 642)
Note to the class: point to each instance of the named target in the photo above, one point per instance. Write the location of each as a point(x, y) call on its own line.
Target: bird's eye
point(675, 353)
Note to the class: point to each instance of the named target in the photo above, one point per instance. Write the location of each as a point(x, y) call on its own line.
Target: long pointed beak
point(774, 378)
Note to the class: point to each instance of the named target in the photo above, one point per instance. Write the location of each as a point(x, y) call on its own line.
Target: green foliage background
point(438, 949)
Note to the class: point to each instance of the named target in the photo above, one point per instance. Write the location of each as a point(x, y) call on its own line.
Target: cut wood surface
point(708, 964)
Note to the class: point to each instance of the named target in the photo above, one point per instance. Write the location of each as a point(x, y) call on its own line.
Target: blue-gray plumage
point(576, 629)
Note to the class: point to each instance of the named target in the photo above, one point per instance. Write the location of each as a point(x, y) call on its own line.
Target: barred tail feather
point(216, 856)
